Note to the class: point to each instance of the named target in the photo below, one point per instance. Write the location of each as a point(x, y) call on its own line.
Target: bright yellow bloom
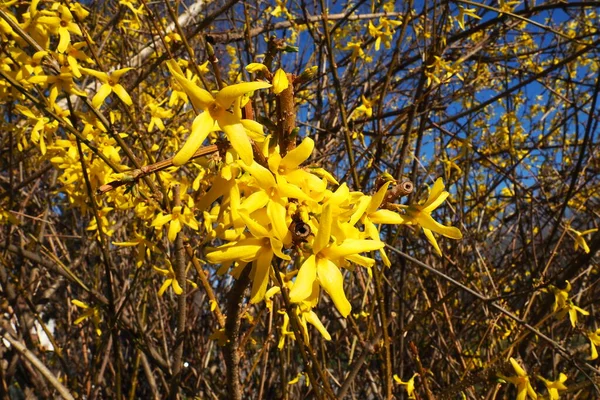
point(594, 341)
point(563, 304)
point(170, 281)
point(215, 112)
point(179, 216)
point(554, 386)
point(258, 249)
point(580, 241)
point(420, 214)
point(62, 25)
point(366, 108)
point(410, 385)
point(320, 265)
point(521, 381)
point(110, 83)
point(461, 15)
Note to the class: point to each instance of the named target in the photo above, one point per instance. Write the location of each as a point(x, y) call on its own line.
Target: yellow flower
point(420, 214)
point(410, 385)
point(63, 25)
point(215, 112)
point(564, 305)
point(580, 241)
point(179, 216)
point(110, 83)
point(320, 265)
point(521, 380)
point(366, 108)
point(89, 312)
point(258, 249)
point(594, 341)
point(143, 246)
point(461, 15)
point(554, 386)
point(171, 280)
point(367, 212)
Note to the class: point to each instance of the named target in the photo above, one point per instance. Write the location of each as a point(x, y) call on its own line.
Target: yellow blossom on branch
point(214, 112)
point(110, 84)
point(420, 214)
point(579, 238)
point(521, 381)
point(554, 386)
point(410, 385)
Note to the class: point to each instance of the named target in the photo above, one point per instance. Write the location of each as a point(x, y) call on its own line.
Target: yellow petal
point(353, 246)
point(280, 81)
point(427, 222)
point(236, 133)
point(256, 67)
point(244, 250)
point(263, 176)
point(384, 216)
point(102, 94)
point(297, 156)
point(307, 274)
point(277, 215)
point(432, 240)
point(122, 93)
point(518, 369)
point(314, 320)
point(116, 75)
point(65, 39)
point(324, 231)
point(378, 198)
point(436, 196)
point(332, 281)
point(227, 96)
point(200, 98)
point(261, 269)
point(201, 127)
point(103, 76)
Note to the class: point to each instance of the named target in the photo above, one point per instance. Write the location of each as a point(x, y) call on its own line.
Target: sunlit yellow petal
point(378, 198)
point(298, 155)
point(227, 96)
point(263, 176)
point(116, 75)
point(236, 133)
point(164, 286)
point(122, 93)
point(353, 246)
point(102, 94)
point(277, 215)
point(427, 222)
point(280, 81)
point(324, 231)
point(245, 250)
point(432, 240)
point(314, 320)
point(201, 127)
point(332, 281)
point(255, 201)
point(200, 98)
point(261, 269)
point(384, 216)
point(518, 369)
point(307, 274)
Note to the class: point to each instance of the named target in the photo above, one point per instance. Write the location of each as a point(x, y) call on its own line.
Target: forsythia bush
point(174, 204)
